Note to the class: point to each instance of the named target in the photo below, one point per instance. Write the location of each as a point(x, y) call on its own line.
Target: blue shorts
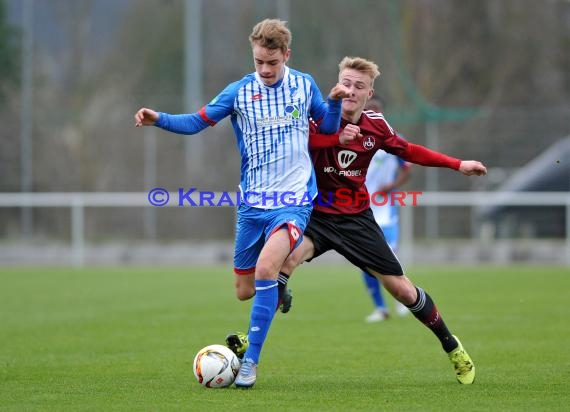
point(255, 225)
point(392, 235)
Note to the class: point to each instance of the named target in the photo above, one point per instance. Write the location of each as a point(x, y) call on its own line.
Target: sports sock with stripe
point(425, 311)
point(282, 280)
point(262, 312)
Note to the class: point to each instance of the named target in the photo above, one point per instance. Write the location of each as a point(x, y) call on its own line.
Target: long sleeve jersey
point(341, 169)
point(271, 126)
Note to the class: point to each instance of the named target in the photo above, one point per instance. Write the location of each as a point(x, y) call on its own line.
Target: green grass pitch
point(121, 339)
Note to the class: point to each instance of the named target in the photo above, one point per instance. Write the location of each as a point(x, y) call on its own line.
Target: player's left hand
point(340, 92)
point(349, 133)
point(472, 167)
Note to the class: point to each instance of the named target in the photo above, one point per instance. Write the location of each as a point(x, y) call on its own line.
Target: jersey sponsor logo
point(352, 173)
point(332, 169)
point(368, 142)
point(257, 97)
point(274, 121)
point(345, 158)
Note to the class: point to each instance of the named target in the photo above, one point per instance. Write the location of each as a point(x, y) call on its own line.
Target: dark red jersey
point(341, 169)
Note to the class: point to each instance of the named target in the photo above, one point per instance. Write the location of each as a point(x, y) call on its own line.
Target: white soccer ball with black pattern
point(216, 366)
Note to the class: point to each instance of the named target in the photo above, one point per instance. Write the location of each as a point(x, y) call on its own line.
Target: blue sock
point(374, 289)
point(262, 312)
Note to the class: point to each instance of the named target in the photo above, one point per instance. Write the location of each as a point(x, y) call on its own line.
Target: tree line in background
point(508, 61)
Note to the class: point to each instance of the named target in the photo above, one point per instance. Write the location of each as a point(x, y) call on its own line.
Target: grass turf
point(118, 339)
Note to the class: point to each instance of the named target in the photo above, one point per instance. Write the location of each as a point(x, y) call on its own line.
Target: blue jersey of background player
point(385, 174)
point(270, 112)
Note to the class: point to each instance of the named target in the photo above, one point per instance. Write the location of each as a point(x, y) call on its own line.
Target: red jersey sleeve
point(415, 153)
point(321, 141)
point(421, 155)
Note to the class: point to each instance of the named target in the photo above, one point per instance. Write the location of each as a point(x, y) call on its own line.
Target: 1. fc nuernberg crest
point(368, 142)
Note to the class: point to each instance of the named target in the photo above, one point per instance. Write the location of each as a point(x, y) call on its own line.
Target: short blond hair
point(360, 64)
point(271, 34)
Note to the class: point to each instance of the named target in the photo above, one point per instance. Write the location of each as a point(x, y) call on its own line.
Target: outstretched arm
point(191, 123)
point(176, 123)
point(421, 155)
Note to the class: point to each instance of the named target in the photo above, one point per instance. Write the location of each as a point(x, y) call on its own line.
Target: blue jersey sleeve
point(327, 114)
point(181, 123)
point(221, 106)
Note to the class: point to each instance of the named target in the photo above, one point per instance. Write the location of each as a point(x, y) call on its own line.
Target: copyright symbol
point(158, 196)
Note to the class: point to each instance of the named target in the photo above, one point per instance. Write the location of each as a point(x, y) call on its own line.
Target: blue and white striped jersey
point(271, 125)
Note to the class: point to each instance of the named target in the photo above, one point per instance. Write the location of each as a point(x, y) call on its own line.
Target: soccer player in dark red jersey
point(342, 219)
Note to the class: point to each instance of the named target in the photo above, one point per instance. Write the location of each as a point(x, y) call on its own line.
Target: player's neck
point(352, 117)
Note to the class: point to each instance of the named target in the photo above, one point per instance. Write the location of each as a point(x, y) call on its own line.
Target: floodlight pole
point(432, 180)
point(27, 113)
point(283, 10)
point(150, 179)
point(192, 74)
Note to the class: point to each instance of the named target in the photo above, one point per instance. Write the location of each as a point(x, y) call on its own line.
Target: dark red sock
point(426, 312)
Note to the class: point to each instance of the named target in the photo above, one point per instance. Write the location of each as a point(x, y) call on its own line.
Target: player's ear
point(286, 55)
point(370, 93)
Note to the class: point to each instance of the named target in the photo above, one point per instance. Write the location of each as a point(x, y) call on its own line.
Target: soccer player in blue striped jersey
point(270, 111)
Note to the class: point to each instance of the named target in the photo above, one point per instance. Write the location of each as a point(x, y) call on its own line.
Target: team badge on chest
point(368, 142)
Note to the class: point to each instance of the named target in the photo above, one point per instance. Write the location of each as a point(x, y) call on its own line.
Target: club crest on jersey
point(368, 142)
point(345, 158)
point(293, 111)
point(293, 91)
point(257, 97)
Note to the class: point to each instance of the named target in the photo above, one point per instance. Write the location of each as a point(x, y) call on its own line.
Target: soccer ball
point(216, 366)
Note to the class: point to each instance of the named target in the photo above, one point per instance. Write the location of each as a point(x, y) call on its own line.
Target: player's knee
point(244, 291)
point(289, 265)
point(405, 296)
point(265, 271)
point(400, 288)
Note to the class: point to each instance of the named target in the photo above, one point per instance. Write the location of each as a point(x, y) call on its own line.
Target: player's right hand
point(340, 92)
point(349, 133)
point(145, 117)
point(472, 167)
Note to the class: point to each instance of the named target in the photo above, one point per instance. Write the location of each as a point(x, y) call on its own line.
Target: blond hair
point(362, 65)
point(271, 34)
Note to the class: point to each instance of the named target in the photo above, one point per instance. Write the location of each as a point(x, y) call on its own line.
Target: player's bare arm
point(472, 167)
point(145, 117)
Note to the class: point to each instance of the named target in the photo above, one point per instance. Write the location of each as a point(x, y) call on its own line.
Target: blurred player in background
point(270, 112)
point(349, 227)
point(385, 174)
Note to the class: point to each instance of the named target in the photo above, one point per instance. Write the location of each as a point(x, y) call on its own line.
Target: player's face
point(270, 64)
point(360, 86)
